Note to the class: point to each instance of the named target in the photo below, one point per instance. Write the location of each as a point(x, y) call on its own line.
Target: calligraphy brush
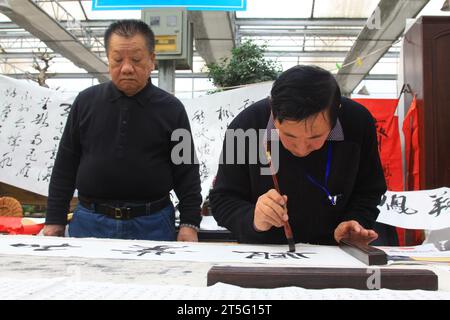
point(286, 225)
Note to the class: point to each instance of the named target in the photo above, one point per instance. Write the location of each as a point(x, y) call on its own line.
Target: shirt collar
point(141, 97)
point(336, 134)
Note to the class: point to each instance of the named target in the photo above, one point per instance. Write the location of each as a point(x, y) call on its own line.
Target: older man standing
point(116, 150)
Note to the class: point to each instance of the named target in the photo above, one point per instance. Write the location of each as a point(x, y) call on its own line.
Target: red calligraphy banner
point(383, 110)
point(411, 134)
point(388, 135)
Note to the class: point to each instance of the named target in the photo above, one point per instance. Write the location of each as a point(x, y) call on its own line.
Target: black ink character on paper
point(45, 102)
point(156, 250)
point(224, 113)
point(199, 116)
point(440, 203)
point(247, 102)
point(66, 109)
point(6, 160)
point(37, 140)
point(24, 170)
point(41, 120)
point(38, 247)
point(20, 123)
point(47, 174)
point(14, 141)
point(397, 204)
point(5, 112)
point(255, 255)
point(11, 93)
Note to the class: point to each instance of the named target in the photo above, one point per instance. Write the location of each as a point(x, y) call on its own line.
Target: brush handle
point(288, 230)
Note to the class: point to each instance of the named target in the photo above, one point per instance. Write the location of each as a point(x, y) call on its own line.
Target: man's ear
point(153, 61)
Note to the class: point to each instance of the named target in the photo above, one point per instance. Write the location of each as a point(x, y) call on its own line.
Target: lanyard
point(327, 173)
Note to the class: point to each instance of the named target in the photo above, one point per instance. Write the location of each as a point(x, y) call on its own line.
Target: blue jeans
point(159, 225)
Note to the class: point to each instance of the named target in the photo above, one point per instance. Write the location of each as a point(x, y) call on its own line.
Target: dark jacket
point(356, 176)
point(118, 148)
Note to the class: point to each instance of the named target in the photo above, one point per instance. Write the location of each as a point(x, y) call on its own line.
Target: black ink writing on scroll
point(31, 156)
point(204, 171)
point(199, 117)
point(44, 103)
point(246, 102)
point(14, 141)
point(224, 113)
point(11, 92)
point(20, 123)
point(38, 247)
point(41, 120)
point(6, 110)
point(440, 202)
point(204, 149)
point(203, 134)
point(24, 170)
point(275, 255)
point(23, 108)
point(37, 140)
point(397, 203)
point(381, 132)
point(52, 152)
point(44, 175)
point(6, 160)
point(26, 96)
point(66, 109)
point(60, 129)
point(156, 250)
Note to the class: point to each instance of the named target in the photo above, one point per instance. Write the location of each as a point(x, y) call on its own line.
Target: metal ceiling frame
point(17, 43)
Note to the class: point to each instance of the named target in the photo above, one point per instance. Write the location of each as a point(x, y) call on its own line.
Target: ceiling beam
point(287, 22)
point(375, 40)
point(29, 16)
point(299, 32)
point(321, 54)
point(213, 34)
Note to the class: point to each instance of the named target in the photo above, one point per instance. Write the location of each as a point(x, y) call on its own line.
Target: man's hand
point(270, 211)
point(54, 230)
point(352, 230)
point(187, 234)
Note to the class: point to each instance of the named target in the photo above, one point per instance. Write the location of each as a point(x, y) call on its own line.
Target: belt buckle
point(118, 213)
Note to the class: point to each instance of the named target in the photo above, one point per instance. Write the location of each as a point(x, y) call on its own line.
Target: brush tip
point(291, 245)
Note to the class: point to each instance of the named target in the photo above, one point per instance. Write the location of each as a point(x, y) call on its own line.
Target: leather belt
point(120, 212)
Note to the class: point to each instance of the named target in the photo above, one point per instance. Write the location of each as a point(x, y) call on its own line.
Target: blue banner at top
point(225, 5)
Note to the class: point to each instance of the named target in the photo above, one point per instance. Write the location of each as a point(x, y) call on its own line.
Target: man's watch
point(187, 225)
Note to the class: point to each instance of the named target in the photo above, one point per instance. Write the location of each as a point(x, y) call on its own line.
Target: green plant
point(246, 65)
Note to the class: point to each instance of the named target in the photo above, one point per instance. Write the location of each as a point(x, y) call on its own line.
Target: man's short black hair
point(128, 29)
point(304, 91)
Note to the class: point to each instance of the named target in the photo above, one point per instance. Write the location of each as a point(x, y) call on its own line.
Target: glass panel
point(344, 8)
point(74, 9)
point(276, 9)
point(385, 89)
point(386, 66)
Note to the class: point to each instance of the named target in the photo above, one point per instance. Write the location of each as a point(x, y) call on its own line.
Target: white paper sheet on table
point(66, 289)
point(431, 252)
point(423, 210)
point(305, 255)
